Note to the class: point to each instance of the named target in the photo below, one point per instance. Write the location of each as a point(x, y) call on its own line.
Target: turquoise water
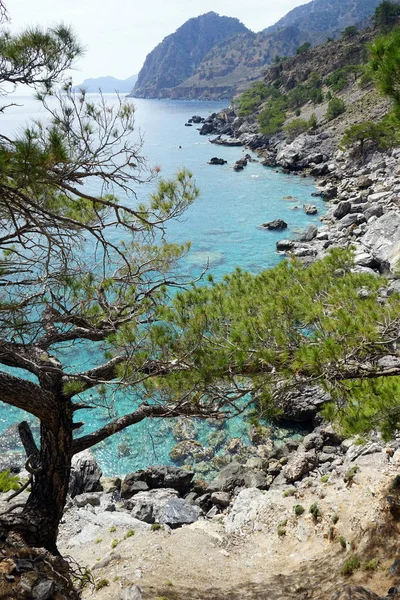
point(222, 226)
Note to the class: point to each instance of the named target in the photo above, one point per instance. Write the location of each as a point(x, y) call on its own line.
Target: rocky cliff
point(177, 56)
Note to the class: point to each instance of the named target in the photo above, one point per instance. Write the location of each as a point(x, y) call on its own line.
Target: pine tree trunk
point(38, 523)
point(45, 505)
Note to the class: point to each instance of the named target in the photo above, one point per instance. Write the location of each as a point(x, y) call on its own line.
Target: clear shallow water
point(222, 226)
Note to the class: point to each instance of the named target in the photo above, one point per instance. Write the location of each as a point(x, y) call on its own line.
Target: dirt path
point(202, 562)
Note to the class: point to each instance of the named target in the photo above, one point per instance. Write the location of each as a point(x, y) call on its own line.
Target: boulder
point(373, 211)
point(319, 170)
point(342, 209)
point(310, 234)
point(300, 464)
point(284, 245)
point(157, 478)
point(221, 499)
point(302, 404)
point(310, 209)
point(146, 506)
point(217, 161)
point(277, 224)
point(235, 476)
point(163, 506)
point(177, 512)
point(382, 239)
point(85, 474)
point(363, 182)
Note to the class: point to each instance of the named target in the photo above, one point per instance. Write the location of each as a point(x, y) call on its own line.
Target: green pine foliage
point(369, 135)
point(386, 15)
point(336, 107)
point(384, 66)
point(251, 99)
point(287, 325)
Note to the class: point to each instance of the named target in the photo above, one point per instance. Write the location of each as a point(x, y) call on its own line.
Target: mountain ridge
point(107, 84)
point(229, 67)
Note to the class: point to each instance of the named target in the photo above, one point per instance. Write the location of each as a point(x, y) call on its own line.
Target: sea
point(223, 226)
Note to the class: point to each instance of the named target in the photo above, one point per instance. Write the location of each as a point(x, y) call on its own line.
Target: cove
point(222, 226)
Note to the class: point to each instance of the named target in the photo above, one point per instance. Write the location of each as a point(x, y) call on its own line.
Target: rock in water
point(276, 224)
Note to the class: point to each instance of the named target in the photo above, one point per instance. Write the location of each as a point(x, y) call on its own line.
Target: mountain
point(231, 65)
point(177, 56)
point(326, 17)
point(108, 84)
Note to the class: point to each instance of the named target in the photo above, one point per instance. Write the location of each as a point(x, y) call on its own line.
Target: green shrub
point(9, 482)
point(315, 511)
point(350, 474)
point(295, 128)
point(114, 543)
point(102, 583)
point(282, 528)
point(369, 135)
point(371, 565)
point(336, 107)
point(298, 510)
point(112, 529)
point(349, 32)
point(98, 540)
point(156, 527)
point(303, 48)
point(324, 478)
point(289, 492)
point(335, 518)
point(129, 534)
point(251, 99)
point(350, 565)
point(272, 117)
point(386, 15)
point(343, 542)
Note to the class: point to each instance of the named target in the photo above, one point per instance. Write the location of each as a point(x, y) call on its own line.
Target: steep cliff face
point(177, 56)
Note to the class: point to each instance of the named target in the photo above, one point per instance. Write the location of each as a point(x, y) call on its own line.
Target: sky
point(118, 34)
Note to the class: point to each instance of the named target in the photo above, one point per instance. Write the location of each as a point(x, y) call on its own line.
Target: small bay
point(222, 226)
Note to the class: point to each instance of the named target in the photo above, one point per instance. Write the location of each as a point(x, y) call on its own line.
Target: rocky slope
point(177, 56)
point(322, 16)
